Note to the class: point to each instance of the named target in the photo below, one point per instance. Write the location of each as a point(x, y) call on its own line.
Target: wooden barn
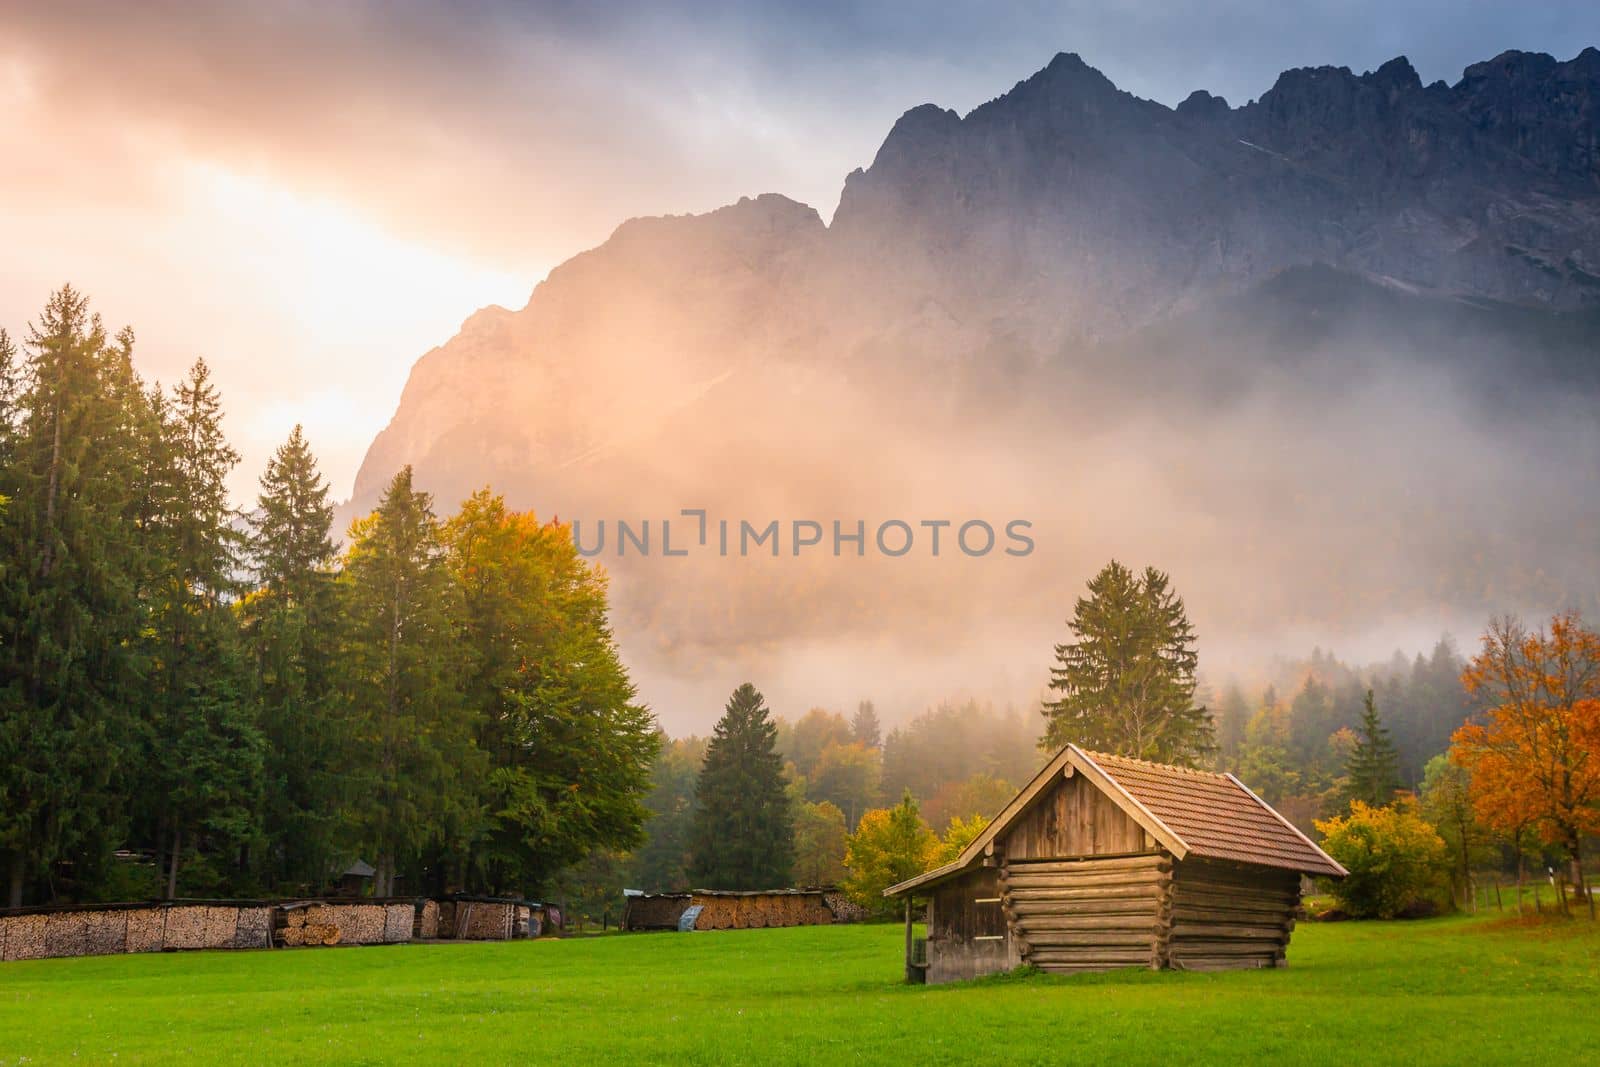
point(1103, 862)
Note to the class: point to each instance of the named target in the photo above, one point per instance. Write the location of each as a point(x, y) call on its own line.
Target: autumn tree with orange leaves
point(1534, 755)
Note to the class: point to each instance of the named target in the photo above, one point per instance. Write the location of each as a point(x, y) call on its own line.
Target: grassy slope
point(1432, 992)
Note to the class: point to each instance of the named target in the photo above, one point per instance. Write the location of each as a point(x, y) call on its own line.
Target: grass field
point(1440, 991)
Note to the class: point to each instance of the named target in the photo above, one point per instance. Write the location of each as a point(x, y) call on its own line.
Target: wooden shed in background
point(1104, 862)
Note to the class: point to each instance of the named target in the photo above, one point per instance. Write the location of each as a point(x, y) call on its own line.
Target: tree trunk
point(1575, 846)
point(172, 868)
point(14, 896)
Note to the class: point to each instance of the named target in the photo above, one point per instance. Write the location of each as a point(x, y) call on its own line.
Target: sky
point(311, 195)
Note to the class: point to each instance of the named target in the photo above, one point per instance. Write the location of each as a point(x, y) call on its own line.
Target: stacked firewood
point(757, 910)
point(308, 925)
point(24, 937)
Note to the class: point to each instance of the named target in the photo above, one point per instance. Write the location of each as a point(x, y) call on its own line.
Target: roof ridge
point(1221, 776)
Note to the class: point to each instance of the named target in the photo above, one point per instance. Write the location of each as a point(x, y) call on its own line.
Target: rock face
point(1025, 281)
point(1095, 212)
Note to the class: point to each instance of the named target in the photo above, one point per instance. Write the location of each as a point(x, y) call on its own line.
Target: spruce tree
point(1127, 682)
point(744, 830)
point(70, 568)
point(411, 770)
point(203, 763)
point(1373, 767)
point(291, 628)
point(865, 729)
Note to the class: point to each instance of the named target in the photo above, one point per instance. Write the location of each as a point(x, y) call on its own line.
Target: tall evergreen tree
point(864, 728)
point(69, 611)
point(1233, 713)
point(1127, 682)
point(1373, 767)
point(412, 773)
point(744, 828)
point(291, 627)
point(568, 744)
point(202, 766)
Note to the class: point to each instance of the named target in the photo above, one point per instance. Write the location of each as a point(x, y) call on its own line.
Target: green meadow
point(1438, 991)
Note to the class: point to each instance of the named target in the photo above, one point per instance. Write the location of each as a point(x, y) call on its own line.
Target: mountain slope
point(1330, 356)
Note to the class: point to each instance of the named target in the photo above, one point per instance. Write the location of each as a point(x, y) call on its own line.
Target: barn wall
point(1229, 916)
point(967, 938)
point(1074, 819)
point(1089, 913)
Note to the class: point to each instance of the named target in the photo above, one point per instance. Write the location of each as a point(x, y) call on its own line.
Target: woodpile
point(740, 910)
point(146, 929)
point(427, 921)
point(754, 911)
point(843, 909)
point(484, 921)
point(253, 928)
point(185, 927)
point(25, 937)
point(310, 924)
point(169, 927)
point(1090, 914)
point(398, 921)
point(63, 933)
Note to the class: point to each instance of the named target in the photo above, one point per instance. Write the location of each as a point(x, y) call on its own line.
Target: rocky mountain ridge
point(1146, 327)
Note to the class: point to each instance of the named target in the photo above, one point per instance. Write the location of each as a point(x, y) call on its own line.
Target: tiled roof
point(1216, 816)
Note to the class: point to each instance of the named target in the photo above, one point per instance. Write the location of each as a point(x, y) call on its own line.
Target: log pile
point(844, 909)
point(754, 911)
point(1090, 914)
point(477, 920)
point(398, 921)
point(427, 921)
point(253, 928)
point(169, 927)
point(25, 937)
point(146, 930)
point(105, 933)
point(63, 934)
point(185, 927)
point(309, 925)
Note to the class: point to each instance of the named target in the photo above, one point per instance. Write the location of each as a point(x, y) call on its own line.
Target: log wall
point(1089, 914)
point(1229, 916)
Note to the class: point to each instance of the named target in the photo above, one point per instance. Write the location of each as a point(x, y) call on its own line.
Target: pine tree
point(70, 566)
point(1127, 683)
point(291, 628)
point(864, 728)
point(744, 830)
point(203, 765)
point(1373, 768)
point(411, 773)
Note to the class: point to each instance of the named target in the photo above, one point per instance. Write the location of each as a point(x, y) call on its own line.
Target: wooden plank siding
point(1075, 819)
point(967, 931)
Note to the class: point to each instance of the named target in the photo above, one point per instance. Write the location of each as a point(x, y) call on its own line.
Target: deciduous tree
point(1534, 753)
